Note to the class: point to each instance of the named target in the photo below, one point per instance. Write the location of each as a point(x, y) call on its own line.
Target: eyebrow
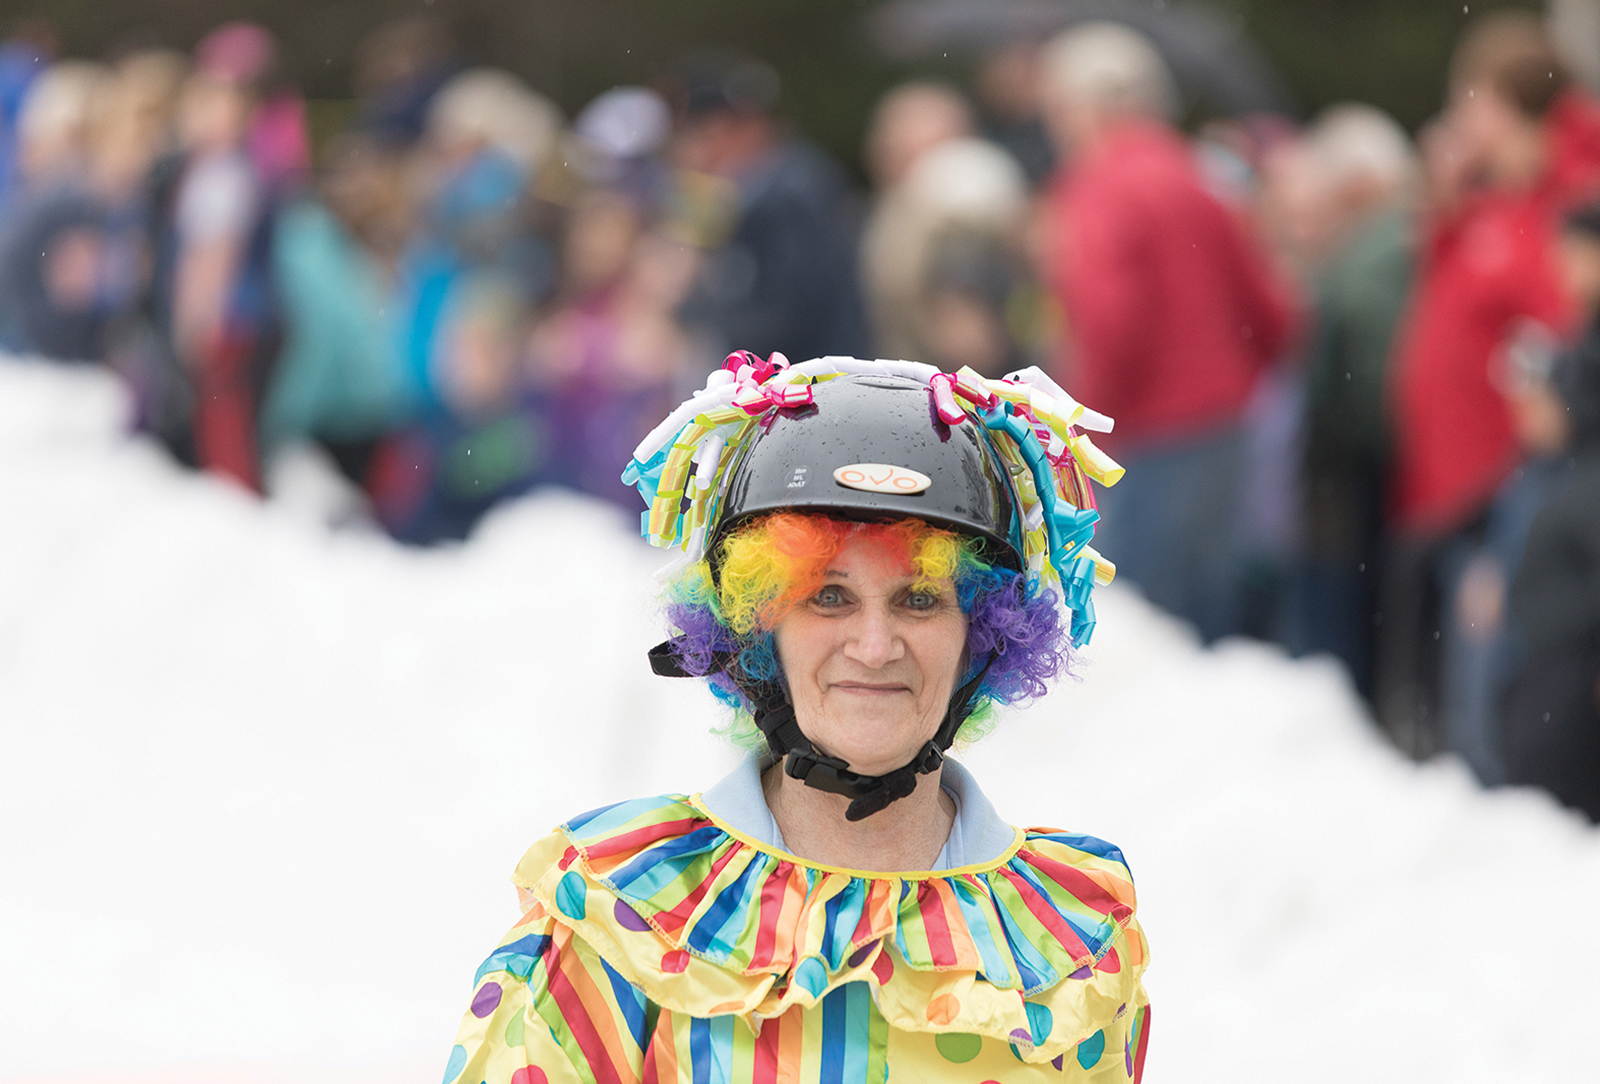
point(843, 575)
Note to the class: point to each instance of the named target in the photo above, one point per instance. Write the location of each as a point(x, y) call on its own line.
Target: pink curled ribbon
point(942, 385)
point(754, 395)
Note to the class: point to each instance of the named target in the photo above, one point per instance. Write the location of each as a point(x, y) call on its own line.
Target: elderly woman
point(876, 554)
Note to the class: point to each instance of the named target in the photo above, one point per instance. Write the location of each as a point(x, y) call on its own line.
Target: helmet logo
point(881, 478)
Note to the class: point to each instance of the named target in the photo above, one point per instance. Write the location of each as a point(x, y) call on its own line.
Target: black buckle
point(822, 772)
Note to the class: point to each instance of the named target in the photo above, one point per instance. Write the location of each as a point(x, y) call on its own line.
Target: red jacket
point(1172, 310)
point(1485, 268)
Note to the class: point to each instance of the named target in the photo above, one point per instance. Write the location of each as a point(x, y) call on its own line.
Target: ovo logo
point(881, 478)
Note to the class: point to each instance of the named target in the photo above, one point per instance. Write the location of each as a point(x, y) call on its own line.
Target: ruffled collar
point(1038, 947)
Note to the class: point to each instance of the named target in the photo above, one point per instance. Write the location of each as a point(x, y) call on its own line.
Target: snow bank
point(264, 786)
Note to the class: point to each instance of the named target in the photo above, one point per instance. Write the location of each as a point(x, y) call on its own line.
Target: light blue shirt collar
point(978, 835)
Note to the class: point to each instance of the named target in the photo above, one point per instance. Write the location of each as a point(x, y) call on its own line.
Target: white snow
point(264, 784)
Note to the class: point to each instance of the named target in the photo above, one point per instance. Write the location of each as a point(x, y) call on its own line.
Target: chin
point(873, 743)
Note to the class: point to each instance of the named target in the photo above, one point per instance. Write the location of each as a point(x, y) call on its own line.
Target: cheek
point(801, 645)
point(944, 651)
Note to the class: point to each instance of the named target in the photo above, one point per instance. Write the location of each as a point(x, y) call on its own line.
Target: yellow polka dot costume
point(659, 944)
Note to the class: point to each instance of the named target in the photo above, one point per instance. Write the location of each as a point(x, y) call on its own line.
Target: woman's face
point(871, 662)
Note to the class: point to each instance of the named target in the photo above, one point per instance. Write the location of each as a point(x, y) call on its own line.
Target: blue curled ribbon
point(1067, 528)
point(646, 478)
point(1077, 587)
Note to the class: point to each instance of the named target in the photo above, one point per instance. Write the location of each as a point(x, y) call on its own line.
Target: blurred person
point(489, 112)
point(1345, 196)
point(213, 302)
point(1515, 147)
point(274, 136)
point(477, 443)
point(605, 362)
point(138, 163)
point(135, 126)
point(1485, 650)
point(906, 124)
point(279, 140)
point(53, 125)
point(1479, 649)
point(23, 57)
point(781, 275)
point(52, 228)
point(1173, 313)
point(135, 123)
point(487, 137)
point(1550, 697)
point(369, 186)
point(944, 259)
point(1007, 83)
point(399, 68)
point(340, 380)
point(979, 302)
point(1232, 154)
point(620, 137)
point(74, 259)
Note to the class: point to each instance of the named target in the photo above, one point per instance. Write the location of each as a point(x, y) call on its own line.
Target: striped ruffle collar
point(1039, 947)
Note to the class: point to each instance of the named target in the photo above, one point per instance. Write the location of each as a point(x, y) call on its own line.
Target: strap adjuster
point(822, 772)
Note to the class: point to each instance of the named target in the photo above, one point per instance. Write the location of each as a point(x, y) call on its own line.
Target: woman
point(867, 551)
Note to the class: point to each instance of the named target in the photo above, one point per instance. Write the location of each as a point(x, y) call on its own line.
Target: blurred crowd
point(1356, 376)
point(456, 296)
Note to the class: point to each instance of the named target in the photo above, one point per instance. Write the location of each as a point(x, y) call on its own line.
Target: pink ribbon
point(754, 396)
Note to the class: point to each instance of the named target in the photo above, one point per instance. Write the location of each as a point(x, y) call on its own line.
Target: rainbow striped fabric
point(658, 944)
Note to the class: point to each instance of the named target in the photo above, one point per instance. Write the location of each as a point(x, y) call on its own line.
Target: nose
point(874, 641)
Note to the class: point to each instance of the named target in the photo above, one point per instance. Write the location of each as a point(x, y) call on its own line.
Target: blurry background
point(1392, 54)
point(327, 330)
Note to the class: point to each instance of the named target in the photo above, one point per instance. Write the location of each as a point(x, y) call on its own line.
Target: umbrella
point(1209, 54)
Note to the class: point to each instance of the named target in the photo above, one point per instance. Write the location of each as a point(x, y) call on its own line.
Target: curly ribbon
point(680, 468)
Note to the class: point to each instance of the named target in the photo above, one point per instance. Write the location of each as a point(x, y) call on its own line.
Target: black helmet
point(1001, 460)
point(874, 448)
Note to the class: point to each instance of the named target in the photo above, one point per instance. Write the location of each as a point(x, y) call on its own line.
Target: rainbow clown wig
point(1024, 585)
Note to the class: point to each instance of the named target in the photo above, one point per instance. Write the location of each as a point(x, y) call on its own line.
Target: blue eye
point(922, 600)
point(829, 596)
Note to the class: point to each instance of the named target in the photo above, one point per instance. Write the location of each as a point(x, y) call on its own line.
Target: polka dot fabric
point(658, 945)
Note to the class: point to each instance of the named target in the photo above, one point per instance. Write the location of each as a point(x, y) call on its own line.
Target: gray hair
point(499, 109)
point(59, 104)
point(1350, 142)
point(1111, 67)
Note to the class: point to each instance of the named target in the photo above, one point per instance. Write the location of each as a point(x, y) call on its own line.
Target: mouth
point(869, 688)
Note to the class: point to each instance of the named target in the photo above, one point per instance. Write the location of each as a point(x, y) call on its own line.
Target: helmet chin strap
point(774, 717)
